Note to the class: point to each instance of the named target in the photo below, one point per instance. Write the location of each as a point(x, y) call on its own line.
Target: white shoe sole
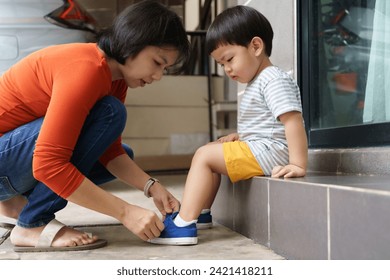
point(175, 241)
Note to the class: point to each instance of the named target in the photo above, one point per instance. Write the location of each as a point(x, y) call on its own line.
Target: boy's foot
point(205, 221)
point(174, 235)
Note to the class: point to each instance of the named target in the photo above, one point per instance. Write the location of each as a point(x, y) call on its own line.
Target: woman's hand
point(163, 199)
point(124, 168)
point(288, 171)
point(142, 222)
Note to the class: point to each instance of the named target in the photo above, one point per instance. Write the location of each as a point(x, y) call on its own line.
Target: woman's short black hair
point(146, 23)
point(237, 26)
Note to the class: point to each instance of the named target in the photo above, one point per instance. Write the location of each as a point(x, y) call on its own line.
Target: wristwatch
point(148, 185)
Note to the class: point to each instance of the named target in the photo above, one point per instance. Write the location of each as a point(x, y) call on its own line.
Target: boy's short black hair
point(146, 23)
point(237, 26)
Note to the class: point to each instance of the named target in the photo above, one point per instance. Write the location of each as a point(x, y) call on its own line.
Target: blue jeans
point(102, 127)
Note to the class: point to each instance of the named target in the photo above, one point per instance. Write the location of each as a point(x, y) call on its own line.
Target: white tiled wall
point(281, 14)
point(162, 114)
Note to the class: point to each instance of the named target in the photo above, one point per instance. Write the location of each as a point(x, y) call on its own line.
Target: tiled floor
point(217, 243)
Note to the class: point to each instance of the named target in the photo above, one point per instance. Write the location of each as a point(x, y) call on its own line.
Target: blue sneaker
point(205, 221)
point(174, 235)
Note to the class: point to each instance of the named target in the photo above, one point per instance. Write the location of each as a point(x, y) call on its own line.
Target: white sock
point(205, 211)
point(181, 223)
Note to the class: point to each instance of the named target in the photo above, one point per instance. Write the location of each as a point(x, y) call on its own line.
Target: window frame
point(364, 135)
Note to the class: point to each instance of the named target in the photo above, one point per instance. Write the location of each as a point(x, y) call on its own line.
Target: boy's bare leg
point(215, 187)
point(202, 181)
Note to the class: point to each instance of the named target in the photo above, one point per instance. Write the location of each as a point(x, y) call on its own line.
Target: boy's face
point(240, 63)
point(148, 66)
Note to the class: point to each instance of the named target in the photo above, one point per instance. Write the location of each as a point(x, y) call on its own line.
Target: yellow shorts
point(240, 162)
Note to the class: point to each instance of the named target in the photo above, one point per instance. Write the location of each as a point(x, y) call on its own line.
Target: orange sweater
point(61, 83)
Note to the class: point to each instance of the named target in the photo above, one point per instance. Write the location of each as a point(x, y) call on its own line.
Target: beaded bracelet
point(148, 185)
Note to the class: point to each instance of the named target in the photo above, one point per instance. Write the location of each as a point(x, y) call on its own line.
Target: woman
point(61, 117)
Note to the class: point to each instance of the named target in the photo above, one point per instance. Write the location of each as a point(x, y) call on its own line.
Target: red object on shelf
point(72, 15)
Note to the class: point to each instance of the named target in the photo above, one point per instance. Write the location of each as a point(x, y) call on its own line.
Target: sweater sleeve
point(74, 93)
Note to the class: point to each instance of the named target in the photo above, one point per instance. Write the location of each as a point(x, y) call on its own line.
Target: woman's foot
point(66, 237)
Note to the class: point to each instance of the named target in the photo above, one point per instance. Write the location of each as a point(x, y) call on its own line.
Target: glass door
point(345, 71)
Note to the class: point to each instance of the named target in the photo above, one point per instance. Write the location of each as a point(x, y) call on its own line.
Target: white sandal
point(46, 239)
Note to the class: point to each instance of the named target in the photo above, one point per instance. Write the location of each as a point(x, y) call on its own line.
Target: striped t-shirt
point(272, 93)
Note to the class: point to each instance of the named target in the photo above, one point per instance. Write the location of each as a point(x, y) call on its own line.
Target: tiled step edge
point(321, 216)
point(369, 161)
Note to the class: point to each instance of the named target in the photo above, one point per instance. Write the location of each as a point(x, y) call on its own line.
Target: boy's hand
point(288, 171)
point(229, 138)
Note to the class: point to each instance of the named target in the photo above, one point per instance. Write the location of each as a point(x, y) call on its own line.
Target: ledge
point(321, 216)
point(370, 161)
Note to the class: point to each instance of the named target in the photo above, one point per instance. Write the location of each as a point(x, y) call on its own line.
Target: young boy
point(270, 139)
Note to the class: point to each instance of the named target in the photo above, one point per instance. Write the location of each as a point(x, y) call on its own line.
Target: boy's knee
point(200, 153)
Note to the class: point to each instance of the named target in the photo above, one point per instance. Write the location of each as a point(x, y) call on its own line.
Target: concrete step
point(321, 216)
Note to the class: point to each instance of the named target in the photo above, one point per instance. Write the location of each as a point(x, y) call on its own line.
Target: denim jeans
point(102, 127)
